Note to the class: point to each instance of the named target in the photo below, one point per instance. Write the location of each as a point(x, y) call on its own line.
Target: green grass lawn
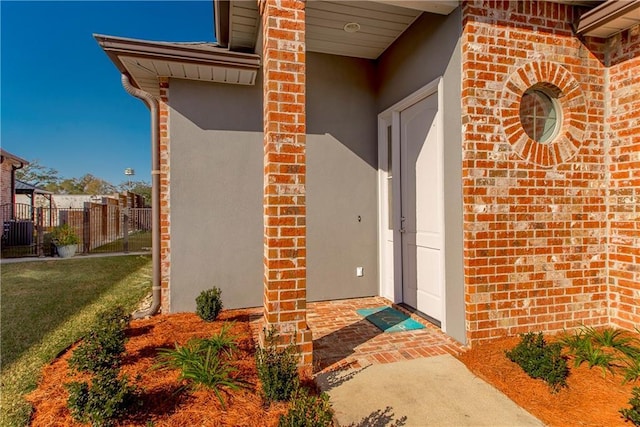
point(137, 242)
point(48, 305)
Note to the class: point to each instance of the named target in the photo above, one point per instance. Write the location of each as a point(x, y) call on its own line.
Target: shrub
point(541, 360)
point(307, 410)
point(209, 304)
point(633, 414)
point(204, 363)
point(277, 369)
point(106, 397)
point(104, 401)
point(64, 235)
point(103, 347)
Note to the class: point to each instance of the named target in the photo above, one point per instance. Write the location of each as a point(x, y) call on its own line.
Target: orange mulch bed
point(588, 400)
point(162, 403)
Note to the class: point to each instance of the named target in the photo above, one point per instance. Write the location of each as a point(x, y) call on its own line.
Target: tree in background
point(49, 179)
point(40, 176)
point(138, 187)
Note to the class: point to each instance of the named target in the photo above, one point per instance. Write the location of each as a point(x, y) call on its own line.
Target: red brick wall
point(5, 182)
point(165, 193)
point(624, 168)
point(6, 192)
point(283, 24)
point(534, 214)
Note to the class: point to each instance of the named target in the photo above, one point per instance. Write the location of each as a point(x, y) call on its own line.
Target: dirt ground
point(590, 399)
point(162, 404)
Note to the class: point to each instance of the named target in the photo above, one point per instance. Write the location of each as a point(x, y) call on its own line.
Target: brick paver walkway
point(342, 339)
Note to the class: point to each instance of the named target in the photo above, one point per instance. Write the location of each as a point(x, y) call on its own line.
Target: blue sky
point(61, 98)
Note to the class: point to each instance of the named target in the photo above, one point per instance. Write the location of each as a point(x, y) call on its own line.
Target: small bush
point(541, 360)
point(106, 397)
point(103, 347)
point(277, 369)
point(64, 235)
point(204, 363)
point(633, 414)
point(307, 410)
point(103, 401)
point(209, 304)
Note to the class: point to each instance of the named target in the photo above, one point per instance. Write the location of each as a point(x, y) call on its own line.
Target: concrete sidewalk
point(78, 256)
point(432, 391)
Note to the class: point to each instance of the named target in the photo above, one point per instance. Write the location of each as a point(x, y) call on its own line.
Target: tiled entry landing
point(343, 339)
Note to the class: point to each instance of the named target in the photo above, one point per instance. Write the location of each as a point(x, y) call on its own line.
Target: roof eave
point(13, 158)
point(146, 61)
point(594, 22)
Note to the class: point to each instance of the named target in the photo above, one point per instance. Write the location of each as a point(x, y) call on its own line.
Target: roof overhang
point(145, 61)
point(26, 188)
point(12, 158)
point(609, 18)
point(379, 24)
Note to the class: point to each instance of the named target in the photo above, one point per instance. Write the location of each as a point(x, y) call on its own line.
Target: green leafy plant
point(307, 410)
point(223, 341)
point(606, 348)
point(204, 363)
point(102, 402)
point(541, 360)
point(632, 370)
point(104, 345)
point(209, 304)
point(633, 414)
point(64, 235)
point(277, 368)
point(107, 396)
point(594, 356)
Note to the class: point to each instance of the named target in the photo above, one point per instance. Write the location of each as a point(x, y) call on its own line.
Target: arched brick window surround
point(570, 97)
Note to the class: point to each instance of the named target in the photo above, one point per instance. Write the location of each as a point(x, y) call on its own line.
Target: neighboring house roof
point(18, 161)
point(609, 18)
point(25, 188)
point(144, 61)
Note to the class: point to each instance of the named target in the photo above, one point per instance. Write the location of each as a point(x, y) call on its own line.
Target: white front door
point(421, 222)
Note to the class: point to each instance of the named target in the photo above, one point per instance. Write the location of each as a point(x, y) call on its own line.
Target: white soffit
point(146, 71)
point(380, 22)
point(145, 61)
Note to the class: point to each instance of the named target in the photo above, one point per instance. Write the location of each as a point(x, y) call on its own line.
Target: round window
point(539, 115)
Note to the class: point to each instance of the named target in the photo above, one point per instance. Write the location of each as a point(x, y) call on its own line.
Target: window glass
point(539, 115)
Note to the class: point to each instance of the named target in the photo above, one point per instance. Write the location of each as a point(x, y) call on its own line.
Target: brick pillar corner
point(285, 294)
point(165, 214)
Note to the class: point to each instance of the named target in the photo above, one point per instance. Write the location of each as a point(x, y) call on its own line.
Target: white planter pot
point(67, 251)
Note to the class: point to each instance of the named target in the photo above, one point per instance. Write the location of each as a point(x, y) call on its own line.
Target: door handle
point(402, 230)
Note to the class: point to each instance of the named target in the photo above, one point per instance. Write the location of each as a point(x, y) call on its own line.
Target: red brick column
point(285, 272)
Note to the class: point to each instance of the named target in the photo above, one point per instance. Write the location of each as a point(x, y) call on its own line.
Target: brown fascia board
point(193, 53)
point(605, 13)
point(221, 10)
point(12, 158)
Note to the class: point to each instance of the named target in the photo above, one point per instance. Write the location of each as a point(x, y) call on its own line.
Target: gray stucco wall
point(342, 162)
point(216, 186)
point(427, 50)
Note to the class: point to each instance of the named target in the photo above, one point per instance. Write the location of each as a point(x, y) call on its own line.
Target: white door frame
point(390, 266)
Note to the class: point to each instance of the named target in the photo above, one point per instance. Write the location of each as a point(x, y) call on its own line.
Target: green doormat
point(388, 319)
